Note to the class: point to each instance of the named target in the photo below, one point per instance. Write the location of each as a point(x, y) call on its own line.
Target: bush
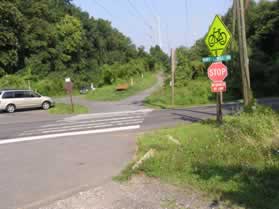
point(195, 92)
point(13, 81)
point(51, 87)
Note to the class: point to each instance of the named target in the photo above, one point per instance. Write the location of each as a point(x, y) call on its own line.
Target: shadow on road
point(187, 118)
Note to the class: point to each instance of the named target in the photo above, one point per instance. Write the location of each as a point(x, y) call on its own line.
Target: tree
point(11, 26)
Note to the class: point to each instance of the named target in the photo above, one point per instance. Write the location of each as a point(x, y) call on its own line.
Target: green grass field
point(108, 93)
point(61, 108)
point(237, 162)
point(195, 93)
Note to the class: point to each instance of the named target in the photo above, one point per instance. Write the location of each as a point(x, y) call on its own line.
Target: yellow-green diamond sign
point(218, 37)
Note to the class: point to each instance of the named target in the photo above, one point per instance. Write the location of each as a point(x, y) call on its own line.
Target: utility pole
point(244, 62)
point(234, 18)
point(173, 66)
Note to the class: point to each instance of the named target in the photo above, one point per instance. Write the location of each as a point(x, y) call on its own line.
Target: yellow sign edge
point(220, 19)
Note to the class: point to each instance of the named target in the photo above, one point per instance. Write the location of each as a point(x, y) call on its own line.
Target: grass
point(196, 92)
point(61, 108)
point(237, 162)
point(108, 93)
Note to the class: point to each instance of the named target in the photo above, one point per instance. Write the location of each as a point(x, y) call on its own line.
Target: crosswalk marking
point(87, 122)
point(90, 127)
point(91, 121)
point(85, 126)
point(109, 114)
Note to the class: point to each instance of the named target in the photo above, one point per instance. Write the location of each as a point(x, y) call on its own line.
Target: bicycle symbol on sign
point(217, 37)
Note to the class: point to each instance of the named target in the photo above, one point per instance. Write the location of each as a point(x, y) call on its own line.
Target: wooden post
point(244, 62)
point(173, 65)
point(219, 116)
point(71, 100)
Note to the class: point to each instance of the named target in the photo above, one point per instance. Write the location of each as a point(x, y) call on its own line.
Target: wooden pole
point(173, 65)
point(245, 50)
point(219, 116)
point(244, 62)
point(243, 76)
point(71, 100)
point(234, 18)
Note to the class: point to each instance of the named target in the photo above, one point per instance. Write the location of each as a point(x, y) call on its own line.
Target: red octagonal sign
point(217, 72)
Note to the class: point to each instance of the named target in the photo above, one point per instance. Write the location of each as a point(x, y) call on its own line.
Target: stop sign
point(217, 72)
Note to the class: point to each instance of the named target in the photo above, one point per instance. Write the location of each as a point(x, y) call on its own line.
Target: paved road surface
point(38, 172)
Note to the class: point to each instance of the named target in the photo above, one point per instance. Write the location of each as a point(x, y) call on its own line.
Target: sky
point(181, 22)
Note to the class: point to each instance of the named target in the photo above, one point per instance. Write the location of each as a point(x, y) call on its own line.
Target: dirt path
point(131, 103)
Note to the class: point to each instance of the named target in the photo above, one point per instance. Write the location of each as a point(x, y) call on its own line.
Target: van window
point(8, 95)
point(0, 93)
point(28, 94)
point(19, 94)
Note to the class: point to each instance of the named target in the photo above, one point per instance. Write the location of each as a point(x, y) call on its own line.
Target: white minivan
point(11, 100)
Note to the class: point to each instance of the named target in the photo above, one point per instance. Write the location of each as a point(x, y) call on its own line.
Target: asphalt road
point(44, 158)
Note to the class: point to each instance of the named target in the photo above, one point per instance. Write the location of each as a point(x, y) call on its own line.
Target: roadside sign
point(218, 37)
point(67, 80)
point(217, 72)
point(218, 87)
point(217, 59)
point(69, 87)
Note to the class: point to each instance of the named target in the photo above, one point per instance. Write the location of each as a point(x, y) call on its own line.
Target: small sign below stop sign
point(217, 72)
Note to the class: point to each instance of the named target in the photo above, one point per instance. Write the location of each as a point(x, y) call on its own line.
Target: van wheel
point(46, 105)
point(10, 108)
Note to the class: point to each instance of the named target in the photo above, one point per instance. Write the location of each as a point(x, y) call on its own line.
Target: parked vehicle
point(12, 100)
point(83, 90)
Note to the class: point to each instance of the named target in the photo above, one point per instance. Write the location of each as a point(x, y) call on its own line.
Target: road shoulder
point(139, 192)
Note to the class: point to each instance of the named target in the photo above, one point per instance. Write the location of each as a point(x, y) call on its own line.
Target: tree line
point(45, 41)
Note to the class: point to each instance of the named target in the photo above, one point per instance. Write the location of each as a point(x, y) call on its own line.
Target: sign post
point(217, 40)
point(69, 89)
point(217, 72)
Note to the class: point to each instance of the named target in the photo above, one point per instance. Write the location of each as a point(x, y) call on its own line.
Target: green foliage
point(237, 162)
point(41, 38)
point(194, 92)
point(12, 81)
point(10, 29)
point(159, 57)
point(52, 87)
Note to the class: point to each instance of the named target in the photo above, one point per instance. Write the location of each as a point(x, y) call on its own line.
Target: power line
point(186, 22)
point(148, 6)
point(157, 20)
point(140, 15)
point(104, 8)
point(167, 37)
point(153, 7)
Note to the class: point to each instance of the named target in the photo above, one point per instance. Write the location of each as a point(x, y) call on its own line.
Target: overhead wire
point(104, 8)
point(149, 6)
point(140, 15)
point(186, 22)
point(155, 16)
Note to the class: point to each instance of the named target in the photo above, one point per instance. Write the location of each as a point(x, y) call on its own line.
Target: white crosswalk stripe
point(88, 122)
